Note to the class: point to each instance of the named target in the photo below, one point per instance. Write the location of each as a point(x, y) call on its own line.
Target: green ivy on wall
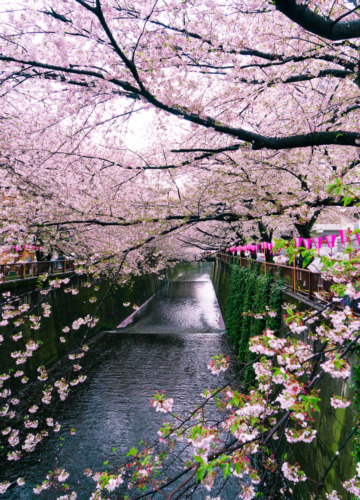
point(250, 292)
point(356, 404)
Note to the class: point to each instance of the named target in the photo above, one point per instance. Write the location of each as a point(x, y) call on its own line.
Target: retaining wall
point(333, 426)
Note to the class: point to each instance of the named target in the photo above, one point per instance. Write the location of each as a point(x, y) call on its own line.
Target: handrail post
point(310, 284)
point(294, 276)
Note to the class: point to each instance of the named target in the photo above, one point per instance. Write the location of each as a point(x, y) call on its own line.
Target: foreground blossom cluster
point(23, 431)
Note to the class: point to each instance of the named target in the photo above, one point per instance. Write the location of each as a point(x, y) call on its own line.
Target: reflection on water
point(184, 306)
point(124, 370)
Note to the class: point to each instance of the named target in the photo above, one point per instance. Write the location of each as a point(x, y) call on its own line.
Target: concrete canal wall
point(66, 308)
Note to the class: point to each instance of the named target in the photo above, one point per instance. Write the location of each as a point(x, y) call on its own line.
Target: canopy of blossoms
point(120, 122)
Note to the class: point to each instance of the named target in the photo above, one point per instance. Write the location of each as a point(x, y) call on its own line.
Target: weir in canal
point(166, 347)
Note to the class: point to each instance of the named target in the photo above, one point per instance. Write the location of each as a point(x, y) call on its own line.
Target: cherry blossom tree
point(264, 130)
point(251, 111)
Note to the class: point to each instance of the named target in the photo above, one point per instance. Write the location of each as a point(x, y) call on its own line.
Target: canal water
point(166, 347)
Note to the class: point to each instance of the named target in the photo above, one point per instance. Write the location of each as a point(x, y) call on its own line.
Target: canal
point(166, 347)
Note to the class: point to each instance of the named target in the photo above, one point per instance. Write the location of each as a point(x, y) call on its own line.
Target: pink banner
point(298, 242)
point(318, 242)
point(358, 237)
point(330, 240)
point(345, 235)
point(307, 243)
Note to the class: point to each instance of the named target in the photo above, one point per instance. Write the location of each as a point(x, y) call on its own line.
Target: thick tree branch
point(317, 24)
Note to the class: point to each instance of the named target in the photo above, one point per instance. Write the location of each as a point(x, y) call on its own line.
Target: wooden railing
point(31, 269)
point(296, 278)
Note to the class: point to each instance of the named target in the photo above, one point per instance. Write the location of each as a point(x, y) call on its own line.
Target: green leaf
point(347, 201)
point(132, 452)
point(227, 470)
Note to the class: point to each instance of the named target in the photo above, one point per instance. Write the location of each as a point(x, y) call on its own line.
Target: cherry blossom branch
point(258, 141)
point(334, 458)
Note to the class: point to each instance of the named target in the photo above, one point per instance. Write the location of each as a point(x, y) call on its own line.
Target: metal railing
point(31, 269)
point(298, 279)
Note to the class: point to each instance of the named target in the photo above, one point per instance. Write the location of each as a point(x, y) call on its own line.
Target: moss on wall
point(250, 293)
point(66, 308)
point(356, 404)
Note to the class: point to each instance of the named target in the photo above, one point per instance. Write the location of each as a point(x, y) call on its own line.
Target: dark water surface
point(167, 346)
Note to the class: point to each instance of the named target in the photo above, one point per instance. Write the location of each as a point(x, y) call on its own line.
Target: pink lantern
point(257, 247)
point(270, 246)
point(298, 242)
